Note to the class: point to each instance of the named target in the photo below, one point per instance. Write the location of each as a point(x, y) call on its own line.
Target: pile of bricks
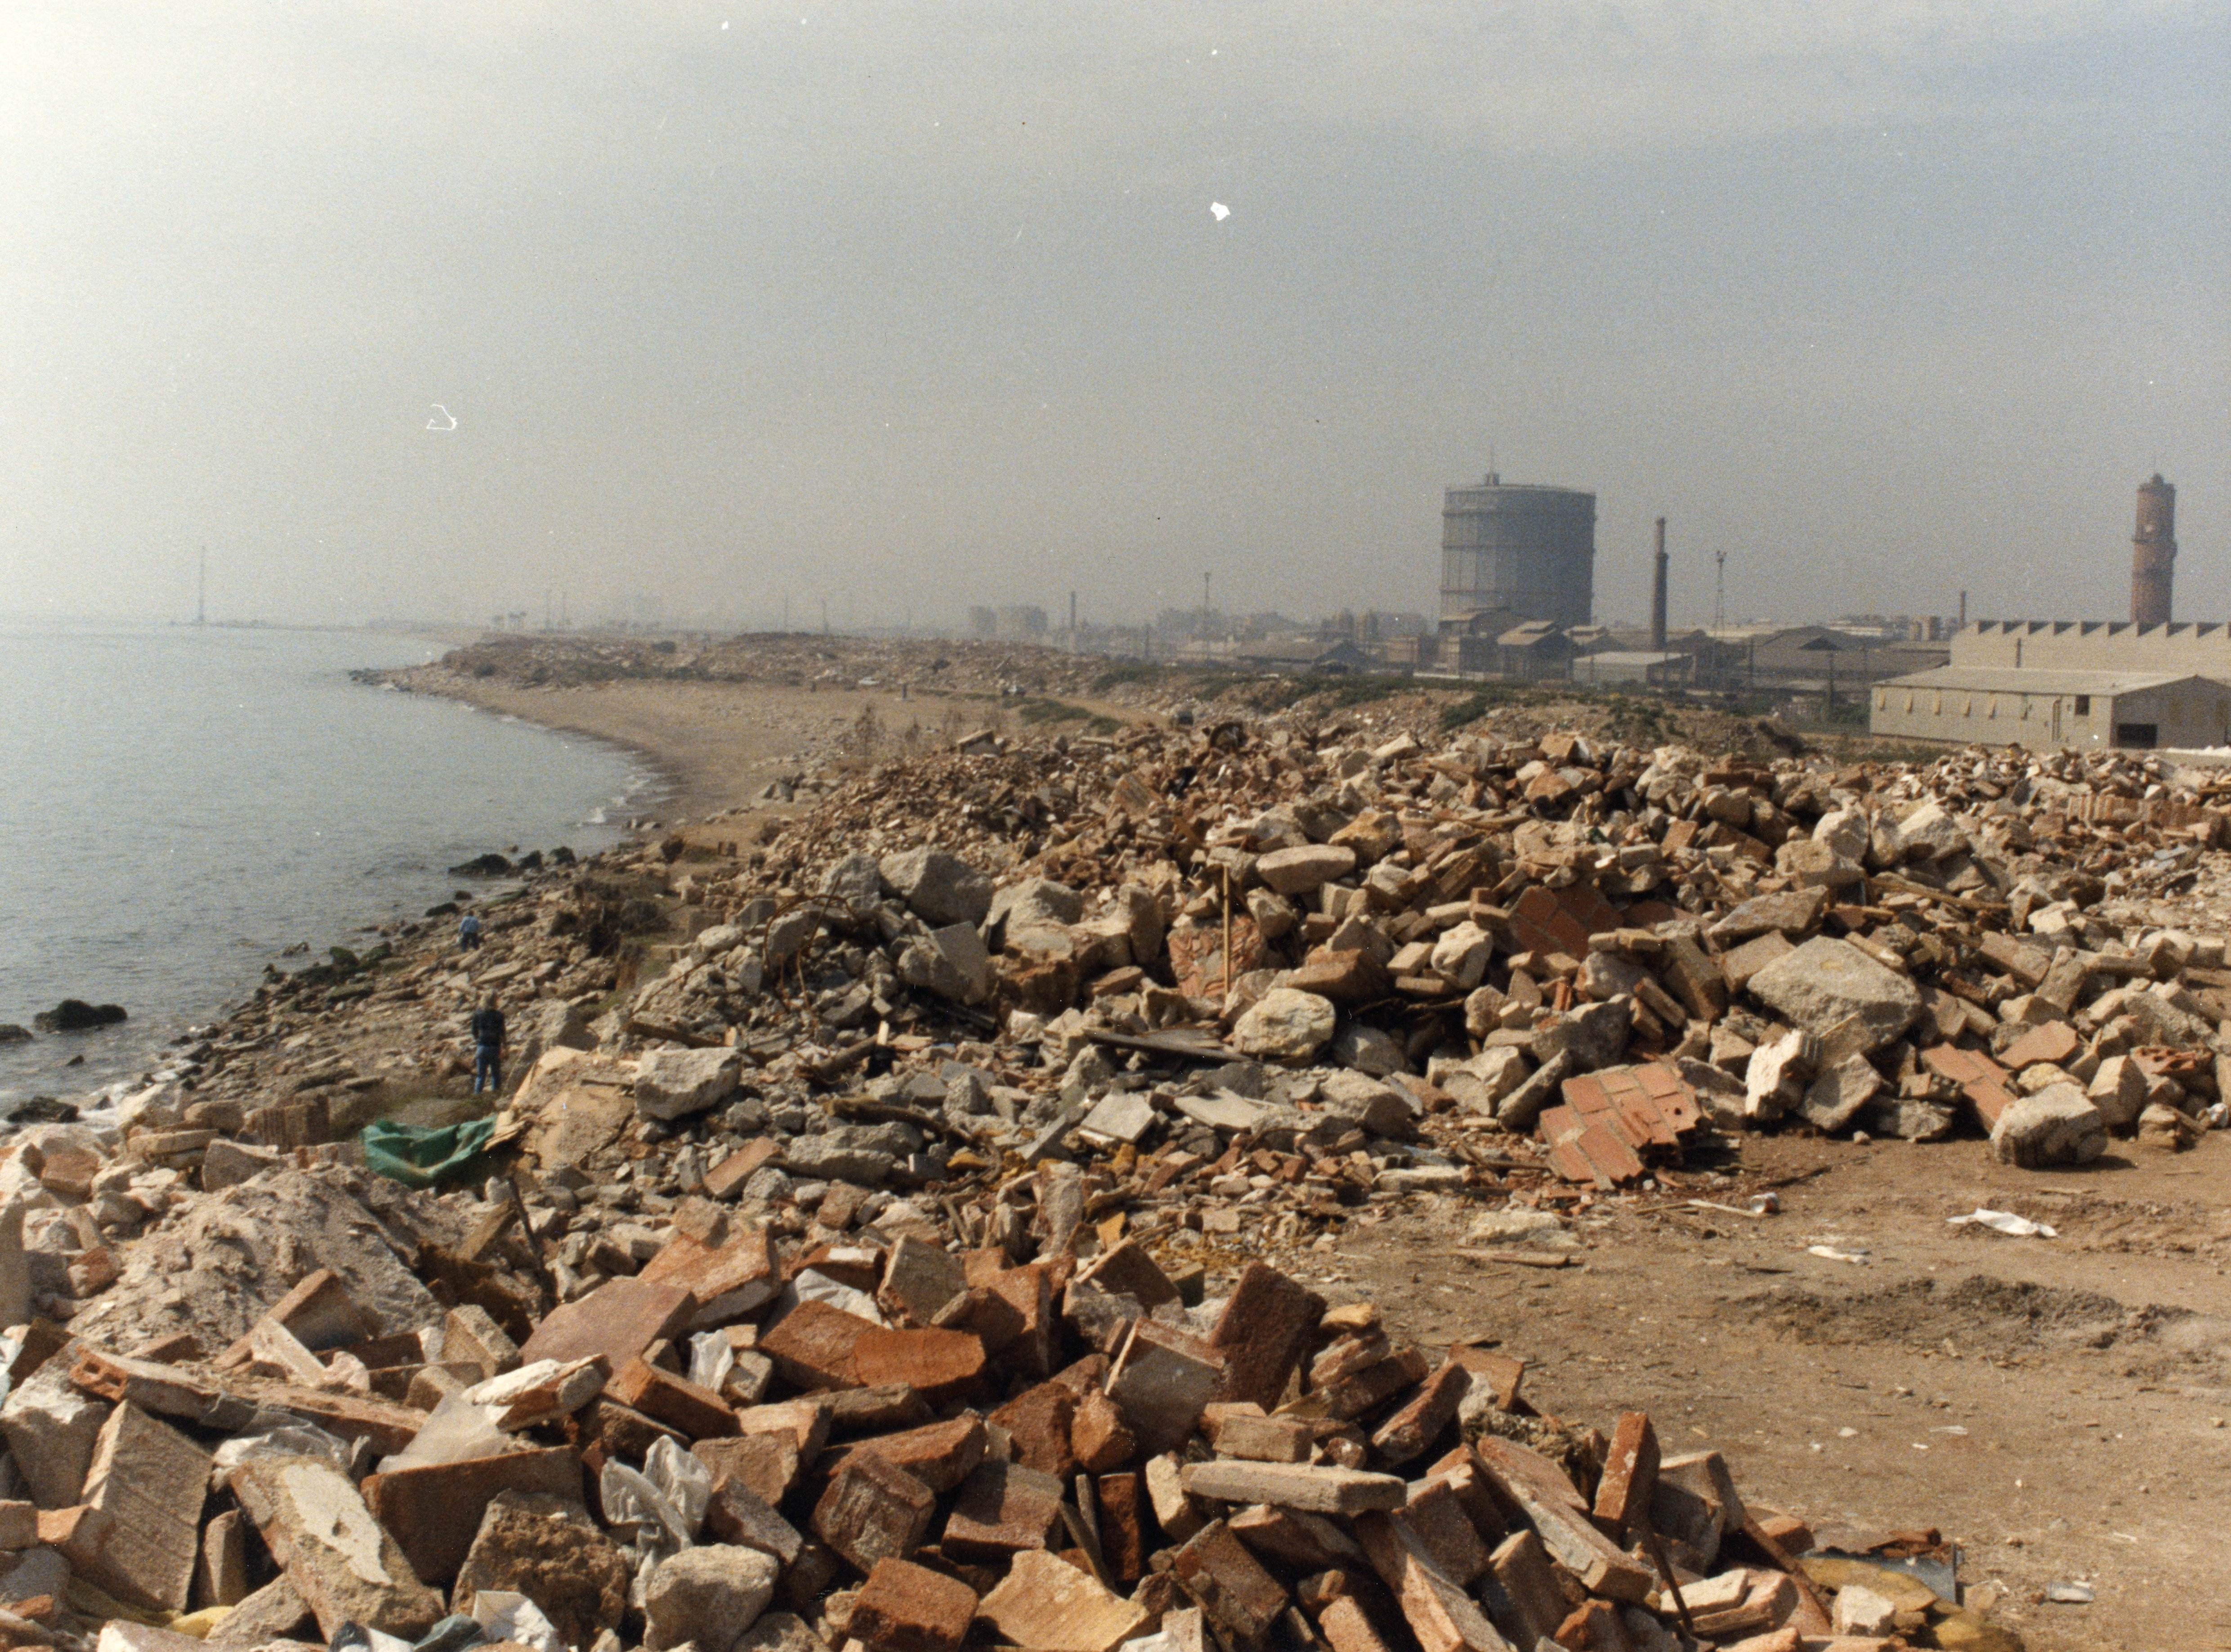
point(887, 1447)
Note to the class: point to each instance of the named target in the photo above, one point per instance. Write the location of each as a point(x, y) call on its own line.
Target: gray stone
point(787, 937)
point(1461, 956)
point(855, 883)
point(828, 1157)
point(708, 1596)
point(1311, 866)
point(1120, 1116)
point(1787, 911)
point(346, 1566)
point(2055, 1126)
point(780, 1632)
point(227, 1164)
point(1829, 986)
point(1365, 1049)
point(1833, 1099)
point(1285, 1023)
point(1374, 1108)
point(274, 1612)
point(950, 962)
point(1594, 1035)
point(1607, 975)
point(1930, 834)
point(1844, 831)
point(1521, 1110)
point(674, 1084)
point(938, 887)
point(1810, 863)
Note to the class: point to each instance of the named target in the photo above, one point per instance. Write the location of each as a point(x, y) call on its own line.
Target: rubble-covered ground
point(1062, 1191)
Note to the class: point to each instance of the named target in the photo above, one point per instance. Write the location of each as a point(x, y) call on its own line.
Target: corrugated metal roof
point(2015, 679)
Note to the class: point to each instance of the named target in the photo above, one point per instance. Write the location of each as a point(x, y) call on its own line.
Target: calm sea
point(178, 806)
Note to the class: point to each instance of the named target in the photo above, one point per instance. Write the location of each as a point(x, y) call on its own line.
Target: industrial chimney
point(1658, 595)
point(2153, 553)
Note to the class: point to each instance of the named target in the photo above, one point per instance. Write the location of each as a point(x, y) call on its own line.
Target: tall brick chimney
point(2153, 553)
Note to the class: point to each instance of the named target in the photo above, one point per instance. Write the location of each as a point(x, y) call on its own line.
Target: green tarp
point(419, 1157)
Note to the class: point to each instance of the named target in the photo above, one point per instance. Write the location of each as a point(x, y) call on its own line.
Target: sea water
point(178, 806)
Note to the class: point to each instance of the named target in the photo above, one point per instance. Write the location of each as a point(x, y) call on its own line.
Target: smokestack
point(2153, 553)
point(1964, 610)
point(1658, 595)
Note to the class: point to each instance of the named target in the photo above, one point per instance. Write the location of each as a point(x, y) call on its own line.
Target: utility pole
point(1719, 590)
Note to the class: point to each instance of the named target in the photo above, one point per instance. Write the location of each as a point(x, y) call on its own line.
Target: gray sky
point(907, 307)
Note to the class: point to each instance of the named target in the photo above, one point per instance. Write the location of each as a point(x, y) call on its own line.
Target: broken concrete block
point(549, 1550)
point(1827, 982)
point(706, 1597)
point(151, 1481)
point(920, 1278)
point(2058, 1125)
point(1048, 1605)
point(676, 1084)
point(2118, 1091)
point(1286, 1024)
point(941, 888)
point(275, 1612)
point(345, 1565)
point(51, 1428)
point(1262, 1334)
point(1833, 1099)
point(1317, 1488)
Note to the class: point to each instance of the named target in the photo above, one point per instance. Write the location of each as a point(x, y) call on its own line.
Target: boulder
point(1367, 1049)
point(674, 1083)
point(2118, 1091)
point(1285, 1024)
point(855, 883)
point(707, 1597)
point(1035, 903)
point(75, 1015)
point(2057, 1125)
point(1930, 834)
point(1306, 868)
point(937, 887)
point(1828, 987)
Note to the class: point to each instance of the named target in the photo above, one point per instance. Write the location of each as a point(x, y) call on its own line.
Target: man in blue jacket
point(488, 1045)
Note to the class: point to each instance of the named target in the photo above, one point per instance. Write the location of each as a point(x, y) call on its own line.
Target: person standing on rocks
point(488, 1047)
point(469, 932)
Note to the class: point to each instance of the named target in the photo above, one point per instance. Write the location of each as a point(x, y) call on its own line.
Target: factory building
point(2086, 710)
point(1531, 550)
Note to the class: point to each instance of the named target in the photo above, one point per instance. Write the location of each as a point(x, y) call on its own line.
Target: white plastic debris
point(711, 1359)
point(509, 1616)
point(2004, 1221)
point(1833, 1254)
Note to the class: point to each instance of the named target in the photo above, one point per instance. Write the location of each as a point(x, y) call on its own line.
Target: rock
point(1774, 1077)
point(1461, 955)
point(937, 887)
point(1306, 868)
point(1521, 1110)
point(950, 962)
point(2118, 1091)
point(1859, 1610)
point(2057, 1125)
point(1035, 903)
point(1789, 911)
point(1286, 1024)
point(1481, 1083)
point(1834, 1100)
point(75, 1015)
point(707, 1597)
point(674, 1083)
point(1367, 1049)
point(11, 1034)
point(855, 883)
point(1594, 1034)
point(1828, 987)
point(1516, 1226)
point(1930, 834)
point(50, 1428)
point(341, 1561)
point(1844, 831)
point(549, 1551)
point(2166, 1129)
point(1810, 863)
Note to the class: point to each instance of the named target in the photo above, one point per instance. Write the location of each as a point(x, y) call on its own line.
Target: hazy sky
point(907, 307)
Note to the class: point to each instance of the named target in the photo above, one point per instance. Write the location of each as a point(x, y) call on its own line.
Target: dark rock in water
point(75, 1015)
point(44, 1109)
point(490, 865)
point(11, 1034)
point(561, 856)
point(531, 861)
point(77, 1061)
point(443, 910)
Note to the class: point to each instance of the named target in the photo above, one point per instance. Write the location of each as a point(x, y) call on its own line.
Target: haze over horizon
point(906, 311)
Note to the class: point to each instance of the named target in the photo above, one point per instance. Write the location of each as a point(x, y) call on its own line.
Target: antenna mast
point(1719, 590)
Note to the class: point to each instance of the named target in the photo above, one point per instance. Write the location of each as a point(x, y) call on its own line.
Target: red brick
point(811, 1345)
point(939, 1455)
point(674, 1401)
point(941, 1365)
point(738, 1515)
point(906, 1607)
point(1102, 1441)
point(1502, 1374)
point(728, 1282)
point(873, 1512)
point(1630, 1475)
point(1418, 1423)
point(1123, 1526)
point(767, 1463)
point(728, 1176)
point(435, 1511)
point(1038, 1421)
point(1003, 1509)
point(618, 1319)
point(1231, 1585)
point(1263, 1333)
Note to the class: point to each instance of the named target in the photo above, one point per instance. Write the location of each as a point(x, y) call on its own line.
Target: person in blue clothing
point(469, 932)
point(488, 1047)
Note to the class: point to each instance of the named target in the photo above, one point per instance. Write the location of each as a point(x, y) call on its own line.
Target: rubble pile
point(885, 1207)
point(863, 1437)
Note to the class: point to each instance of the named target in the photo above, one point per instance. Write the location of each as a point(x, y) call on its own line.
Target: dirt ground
point(2060, 1407)
point(720, 743)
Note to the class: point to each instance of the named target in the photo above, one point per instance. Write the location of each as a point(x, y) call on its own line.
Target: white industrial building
point(2086, 710)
